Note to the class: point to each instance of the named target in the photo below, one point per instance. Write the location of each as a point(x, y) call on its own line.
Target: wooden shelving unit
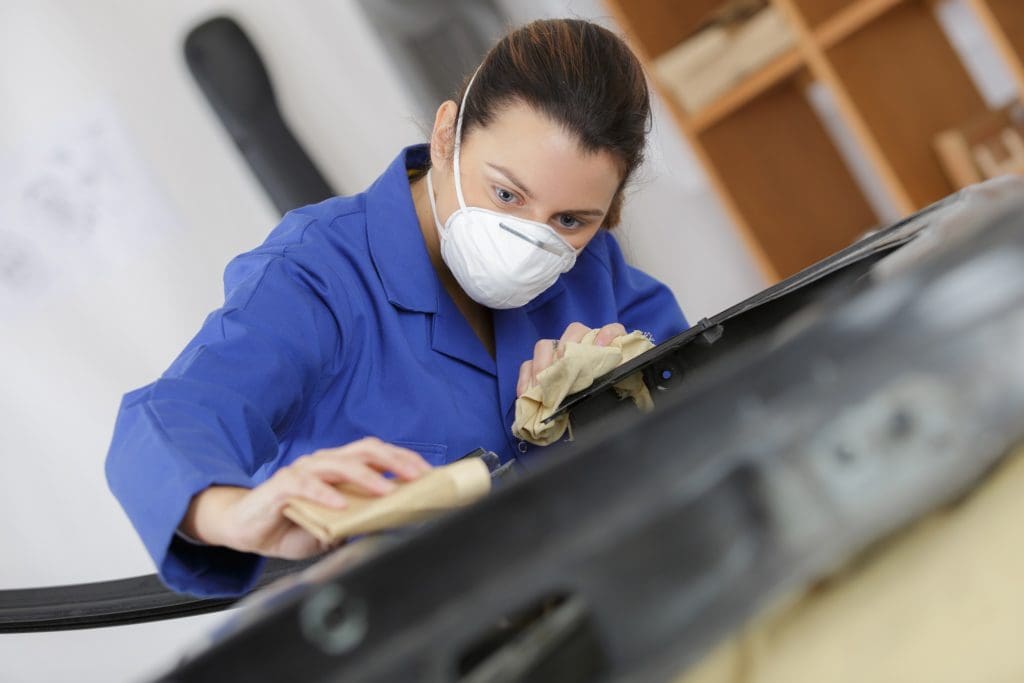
point(850, 18)
point(896, 81)
point(1004, 20)
point(777, 70)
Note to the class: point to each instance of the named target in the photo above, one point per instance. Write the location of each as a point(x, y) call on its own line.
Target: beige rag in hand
point(580, 365)
point(439, 490)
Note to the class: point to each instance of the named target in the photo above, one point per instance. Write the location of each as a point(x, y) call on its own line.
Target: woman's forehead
point(545, 158)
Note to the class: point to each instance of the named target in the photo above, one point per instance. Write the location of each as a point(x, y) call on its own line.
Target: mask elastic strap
point(458, 139)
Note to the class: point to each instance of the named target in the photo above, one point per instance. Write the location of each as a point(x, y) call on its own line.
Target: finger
point(543, 356)
point(525, 376)
point(319, 491)
point(290, 483)
point(381, 452)
point(406, 464)
point(575, 332)
point(357, 473)
point(412, 458)
point(608, 333)
point(334, 470)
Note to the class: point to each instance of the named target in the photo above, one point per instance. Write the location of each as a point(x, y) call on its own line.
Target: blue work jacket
point(336, 328)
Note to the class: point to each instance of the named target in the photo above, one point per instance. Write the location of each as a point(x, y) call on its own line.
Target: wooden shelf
point(906, 102)
point(655, 26)
point(780, 162)
point(850, 20)
point(1004, 20)
point(817, 12)
point(896, 82)
point(779, 69)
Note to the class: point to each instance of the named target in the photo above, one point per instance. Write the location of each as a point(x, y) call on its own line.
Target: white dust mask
point(499, 260)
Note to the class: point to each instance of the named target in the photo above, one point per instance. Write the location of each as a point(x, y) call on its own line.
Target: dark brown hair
point(581, 76)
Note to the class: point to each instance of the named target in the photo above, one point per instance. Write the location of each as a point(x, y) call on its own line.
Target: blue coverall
point(336, 328)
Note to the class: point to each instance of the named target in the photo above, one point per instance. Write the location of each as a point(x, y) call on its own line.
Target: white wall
point(109, 310)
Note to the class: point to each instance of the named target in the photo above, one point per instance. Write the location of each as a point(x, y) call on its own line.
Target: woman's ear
point(442, 137)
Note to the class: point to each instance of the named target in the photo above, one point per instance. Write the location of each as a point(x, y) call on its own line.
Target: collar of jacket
point(396, 244)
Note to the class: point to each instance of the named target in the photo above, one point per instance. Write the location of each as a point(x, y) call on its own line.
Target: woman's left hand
point(547, 351)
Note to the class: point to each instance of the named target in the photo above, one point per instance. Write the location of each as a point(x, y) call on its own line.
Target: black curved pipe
point(229, 71)
point(113, 603)
point(232, 76)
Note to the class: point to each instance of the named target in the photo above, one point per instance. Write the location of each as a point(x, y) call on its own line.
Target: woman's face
point(525, 165)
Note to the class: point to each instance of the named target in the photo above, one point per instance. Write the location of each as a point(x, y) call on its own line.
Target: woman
point(391, 331)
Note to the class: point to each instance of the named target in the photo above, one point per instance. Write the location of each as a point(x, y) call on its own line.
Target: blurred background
point(782, 131)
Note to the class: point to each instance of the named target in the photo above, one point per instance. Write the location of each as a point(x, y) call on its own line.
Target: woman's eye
point(504, 196)
point(568, 221)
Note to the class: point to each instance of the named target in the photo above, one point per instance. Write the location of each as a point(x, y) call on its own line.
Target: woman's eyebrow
point(512, 179)
point(585, 212)
point(522, 188)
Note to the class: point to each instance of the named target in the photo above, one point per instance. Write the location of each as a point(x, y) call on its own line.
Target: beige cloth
point(941, 602)
point(580, 365)
point(439, 490)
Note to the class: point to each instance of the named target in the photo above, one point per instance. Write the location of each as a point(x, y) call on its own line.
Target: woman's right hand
point(251, 520)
